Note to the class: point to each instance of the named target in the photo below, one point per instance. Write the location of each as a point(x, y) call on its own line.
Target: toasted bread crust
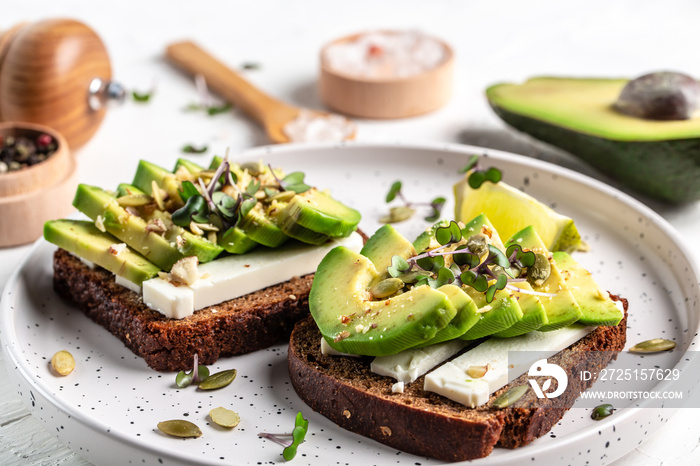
point(345, 390)
point(238, 326)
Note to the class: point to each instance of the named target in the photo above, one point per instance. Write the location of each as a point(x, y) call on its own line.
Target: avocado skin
point(665, 170)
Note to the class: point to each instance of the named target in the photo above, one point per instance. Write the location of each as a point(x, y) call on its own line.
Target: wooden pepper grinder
point(56, 73)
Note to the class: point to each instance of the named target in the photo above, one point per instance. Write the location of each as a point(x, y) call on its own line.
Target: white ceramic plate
point(107, 410)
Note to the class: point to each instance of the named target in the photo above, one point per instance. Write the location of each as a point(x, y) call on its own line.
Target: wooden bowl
point(31, 196)
point(399, 97)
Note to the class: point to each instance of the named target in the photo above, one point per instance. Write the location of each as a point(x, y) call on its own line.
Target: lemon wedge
point(510, 210)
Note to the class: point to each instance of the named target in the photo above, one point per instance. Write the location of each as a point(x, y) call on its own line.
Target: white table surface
point(494, 41)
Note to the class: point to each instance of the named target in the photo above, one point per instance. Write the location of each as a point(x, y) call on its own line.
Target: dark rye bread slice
point(238, 326)
point(344, 390)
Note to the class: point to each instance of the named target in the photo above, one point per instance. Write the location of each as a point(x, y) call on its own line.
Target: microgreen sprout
point(486, 273)
point(197, 375)
point(478, 175)
point(141, 97)
point(210, 204)
point(290, 441)
point(406, 211)
point(292, 182)
point(190, 149)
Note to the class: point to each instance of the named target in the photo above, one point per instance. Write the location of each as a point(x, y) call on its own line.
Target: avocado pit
point(662, 95)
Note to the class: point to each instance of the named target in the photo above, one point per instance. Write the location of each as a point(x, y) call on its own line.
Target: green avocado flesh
point(562, 309)
point(83, 239)
point(660, 159)
point(352, 320)
point(385, 243)
point(131, 229)
point(318, 212)
point(353, 323)
point(596, 306)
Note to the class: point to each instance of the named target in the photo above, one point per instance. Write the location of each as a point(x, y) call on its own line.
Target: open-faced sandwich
point(433, 346)
point(212, 262)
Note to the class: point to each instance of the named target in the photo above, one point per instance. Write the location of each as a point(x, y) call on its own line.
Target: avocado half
point(660, 159)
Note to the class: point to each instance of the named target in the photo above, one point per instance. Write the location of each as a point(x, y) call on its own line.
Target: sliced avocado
point(319, 212)
point(147, 173)
point(596, 306)
point(534, 313)
point(467, 315)
point(190, 166)
point(131, 229)
point(352, 323)
point(234, 240)
point(385, 243)
point(83, 239)
point(498, 315)
point(562, 308)
point(657, 158)
point(426, 240)
point(125, 189)
point(482, 224)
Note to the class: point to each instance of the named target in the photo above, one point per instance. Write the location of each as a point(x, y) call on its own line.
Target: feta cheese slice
point(234, 276)
point(410, 364)
point(452, 381)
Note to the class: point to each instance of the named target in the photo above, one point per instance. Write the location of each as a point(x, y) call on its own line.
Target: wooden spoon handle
point(224, 81)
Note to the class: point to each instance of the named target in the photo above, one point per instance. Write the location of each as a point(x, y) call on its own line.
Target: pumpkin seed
point(386, 288)
point(655, 345)
point(180, 428)
point(602, 411)
point(511, 396)
point(224, 417)
point(63, 362)
point(538, 273)
point(398, 214)
point(254, 168)
point(134, 200)
point(478, 244)
point(284, 196)
point(218, 380)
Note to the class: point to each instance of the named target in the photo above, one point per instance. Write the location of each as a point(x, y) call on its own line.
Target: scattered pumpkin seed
point(398, 214)
point(180, 428)
point(655, 345)
point(224, 417)
point(511, 396)
point(386, 288)
point(218, 380)
point(63, 362)
point(602, 411)
point(539, 272)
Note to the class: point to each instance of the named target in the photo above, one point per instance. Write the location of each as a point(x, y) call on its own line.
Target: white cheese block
point(452, 381)
point(128, 284)
point(410, 364)
point(234, 276)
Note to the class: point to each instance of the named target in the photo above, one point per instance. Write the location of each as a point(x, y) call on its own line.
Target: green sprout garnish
point(141, 97)
point(250, 66)
point(290, 441)
point(292, 182)
point(478, 175)
point(190, 149)
point(406, 211)
point(211, 204)
point(197, 375)
point(211, 110)
point(477, 264)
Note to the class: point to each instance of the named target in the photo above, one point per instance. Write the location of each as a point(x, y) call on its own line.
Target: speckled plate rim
point(528, 453)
